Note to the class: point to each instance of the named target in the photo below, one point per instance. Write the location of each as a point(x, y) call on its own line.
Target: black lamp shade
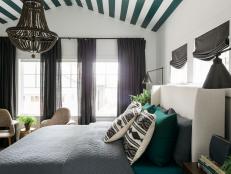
point(218, 76)
point(147, 79)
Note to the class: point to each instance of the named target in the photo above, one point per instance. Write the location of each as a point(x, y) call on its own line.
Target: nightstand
point(23, 132)
point(191, 168)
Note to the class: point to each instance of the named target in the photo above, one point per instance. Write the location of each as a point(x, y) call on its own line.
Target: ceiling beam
point(8, 14)
point(13, 5)
point(56, 3)
point(2, 21)
point(124, 10)
point(112, 8)
point(79, 3)
point(89, 5)
point(136, 13)
point(68, 2)
point(100, 6)
point(166, 14)
point(152, 11)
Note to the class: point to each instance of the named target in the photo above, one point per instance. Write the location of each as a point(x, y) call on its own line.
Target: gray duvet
point(65, 150)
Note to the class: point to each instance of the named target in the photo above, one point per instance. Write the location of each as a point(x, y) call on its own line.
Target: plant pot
point(27, 127)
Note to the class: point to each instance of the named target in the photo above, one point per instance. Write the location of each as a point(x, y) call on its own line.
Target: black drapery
point(51, 86)
point(212, 42)
point(86, 80)
point(131, 59)
point(7, 76)
point(179, 57)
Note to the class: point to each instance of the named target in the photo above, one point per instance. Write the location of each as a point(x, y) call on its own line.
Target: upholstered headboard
point(206, 108)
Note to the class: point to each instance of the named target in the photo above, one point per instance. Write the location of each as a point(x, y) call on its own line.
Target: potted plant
point(142, 98)
point(227, 166)
point(28, 121)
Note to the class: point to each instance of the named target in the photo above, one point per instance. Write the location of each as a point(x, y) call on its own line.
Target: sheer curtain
point(86, 80)
point(131, 59)
point(7, 76)
point(51, 86)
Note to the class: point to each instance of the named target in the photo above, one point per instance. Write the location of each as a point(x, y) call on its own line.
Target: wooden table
point(23, 132)
point(191, 168)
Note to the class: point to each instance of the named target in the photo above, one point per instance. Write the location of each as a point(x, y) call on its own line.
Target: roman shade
point(212, 42)
point(179, 57)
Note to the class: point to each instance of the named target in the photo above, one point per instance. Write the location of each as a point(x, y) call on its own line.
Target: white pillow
point(139, 135)
point(121, 124)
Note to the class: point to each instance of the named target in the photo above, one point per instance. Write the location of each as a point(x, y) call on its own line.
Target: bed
point(81, 150)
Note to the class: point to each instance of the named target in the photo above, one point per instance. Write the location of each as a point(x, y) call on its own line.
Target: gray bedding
point(65, 150)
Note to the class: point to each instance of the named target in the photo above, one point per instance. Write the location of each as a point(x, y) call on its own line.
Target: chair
point(61, 117)
point(6, 122)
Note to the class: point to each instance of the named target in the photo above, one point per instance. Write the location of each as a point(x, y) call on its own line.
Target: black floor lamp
point(147, 78)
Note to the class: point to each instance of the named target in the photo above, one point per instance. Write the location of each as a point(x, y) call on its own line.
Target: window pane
point(66, 81)
point(29, 90)
point(179, 76)
point(29, 80)
point(106, 88)
point(66, 68)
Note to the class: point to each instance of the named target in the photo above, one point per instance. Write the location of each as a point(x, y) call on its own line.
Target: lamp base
point(218, 76)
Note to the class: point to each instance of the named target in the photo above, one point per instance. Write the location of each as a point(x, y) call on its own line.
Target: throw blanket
point(65, 150)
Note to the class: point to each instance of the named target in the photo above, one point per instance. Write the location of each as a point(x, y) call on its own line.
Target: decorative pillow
point(138, 136)
point(121, 124)
point(150, 108)
point(182, 152)
point(161, 147)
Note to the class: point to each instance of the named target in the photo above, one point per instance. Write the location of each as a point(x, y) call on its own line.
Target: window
point(69, 86)
point(106, 88)
point(29, 88)
point(179, 76)
point(201, 68)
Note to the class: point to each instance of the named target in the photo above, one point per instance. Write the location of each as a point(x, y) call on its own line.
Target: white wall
point(79, 22)
point(191, 19)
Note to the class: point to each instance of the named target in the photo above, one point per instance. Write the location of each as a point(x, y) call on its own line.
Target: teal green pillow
point(161, 147)
point(150, 108)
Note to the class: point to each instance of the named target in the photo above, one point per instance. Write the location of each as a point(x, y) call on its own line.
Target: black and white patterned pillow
point(139, 135)
point(121, 124)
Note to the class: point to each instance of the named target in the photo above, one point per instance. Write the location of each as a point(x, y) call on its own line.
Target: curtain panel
point(212, 42)
point(179, 57)
point(131, 70)
point(86, 80)
point(50, 78)
point(8, 76)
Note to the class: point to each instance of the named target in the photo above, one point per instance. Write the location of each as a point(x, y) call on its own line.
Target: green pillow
point(161, 147)
point(150, 108)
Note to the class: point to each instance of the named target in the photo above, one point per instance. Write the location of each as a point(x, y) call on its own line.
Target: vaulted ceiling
point(149, 14)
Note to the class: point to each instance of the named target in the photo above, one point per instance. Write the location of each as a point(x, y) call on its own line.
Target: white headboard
point(206, 107)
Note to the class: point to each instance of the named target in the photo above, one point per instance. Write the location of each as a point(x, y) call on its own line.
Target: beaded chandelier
point(32, 33)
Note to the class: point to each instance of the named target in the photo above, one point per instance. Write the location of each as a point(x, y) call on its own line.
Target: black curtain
point(7, 76)
point(51, 86)
point(212, 42)
point(179, 57)
point(131, 59)
point(86, 80)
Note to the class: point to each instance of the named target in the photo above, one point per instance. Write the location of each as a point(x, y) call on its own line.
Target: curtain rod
point(97, 38)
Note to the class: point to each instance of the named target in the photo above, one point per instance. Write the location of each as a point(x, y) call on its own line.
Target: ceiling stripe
point(6, 13)
point(13, 5)
point(79, 3)
point(152, 11)
point(166, 14)
point(112, 8)
point(118, 5)
point(100, 6)
point(138, 8)
point(89, 4)
point(46, 7)
point(2, 21)
point(124, 10)
point(56, 3)
point(68, 2)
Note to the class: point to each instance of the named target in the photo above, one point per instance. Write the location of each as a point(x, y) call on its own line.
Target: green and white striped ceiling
point(149, 14)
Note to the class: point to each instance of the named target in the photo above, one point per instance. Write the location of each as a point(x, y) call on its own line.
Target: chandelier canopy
point(32, 33)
